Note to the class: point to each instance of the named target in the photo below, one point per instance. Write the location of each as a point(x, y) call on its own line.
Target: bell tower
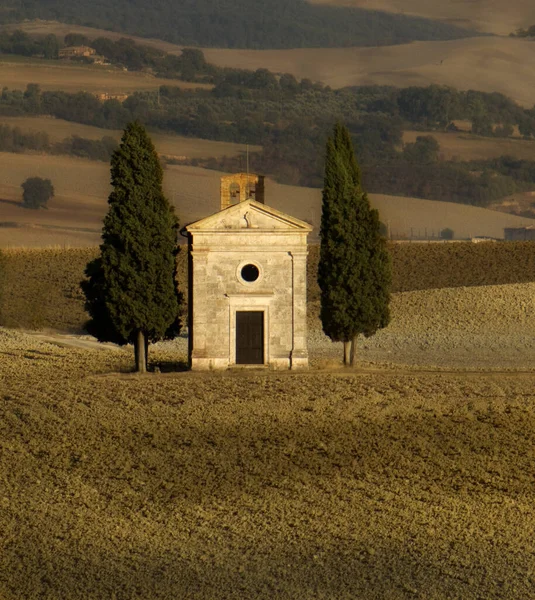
point(239, 187)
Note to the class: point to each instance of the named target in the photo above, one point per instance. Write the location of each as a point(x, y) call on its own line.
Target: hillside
point(504, 65)
point(460, 145)
point(291, 120)
point(75, 215)
point(490, 16)
point(243, 23)
point(168, 145)
point(16, 72)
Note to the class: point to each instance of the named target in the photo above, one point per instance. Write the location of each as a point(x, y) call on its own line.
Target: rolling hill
point(16, 72)
point(243, 23)
point(493, 64)
point(169, 145)
point(75, 214)
point(491, 16)
point(487, 64)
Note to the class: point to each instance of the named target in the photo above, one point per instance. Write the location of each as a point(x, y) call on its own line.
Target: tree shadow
point(168, 366)
point(12, 202)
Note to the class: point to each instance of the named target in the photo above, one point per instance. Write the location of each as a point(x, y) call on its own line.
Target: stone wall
point(219, 291)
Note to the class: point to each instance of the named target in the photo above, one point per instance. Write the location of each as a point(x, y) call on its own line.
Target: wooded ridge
point(241, 23)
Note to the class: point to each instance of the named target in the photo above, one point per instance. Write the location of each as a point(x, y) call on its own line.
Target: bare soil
point(375, 484)
point(408, 477)
point(40, 287)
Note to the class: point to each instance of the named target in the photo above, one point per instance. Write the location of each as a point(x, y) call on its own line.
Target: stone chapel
point(247, 283)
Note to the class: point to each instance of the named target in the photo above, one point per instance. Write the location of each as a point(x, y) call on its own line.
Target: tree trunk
point(347, 352)
point(146, 353)
point(353, 351)
point(140, 351)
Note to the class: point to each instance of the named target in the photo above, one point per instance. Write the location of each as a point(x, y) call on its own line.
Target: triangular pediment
point(249, 215)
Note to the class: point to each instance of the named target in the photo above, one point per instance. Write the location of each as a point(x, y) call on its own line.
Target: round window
point(250, 273)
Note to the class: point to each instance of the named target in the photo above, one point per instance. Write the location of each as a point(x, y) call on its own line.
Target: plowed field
point(261, 485)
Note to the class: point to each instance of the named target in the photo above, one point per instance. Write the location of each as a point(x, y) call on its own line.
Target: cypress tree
point(354, 269)
point(131, 290)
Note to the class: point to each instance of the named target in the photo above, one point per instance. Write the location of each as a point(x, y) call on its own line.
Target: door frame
point(259, 329)
point(241, 302)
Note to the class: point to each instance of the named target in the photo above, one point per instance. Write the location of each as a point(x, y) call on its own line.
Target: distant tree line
point(190, 65)
point(13, 139)
point(524, 33)
point(241, 23)
point(255, 104)
point(292, 119)
point(19, 42)
point(432, 107)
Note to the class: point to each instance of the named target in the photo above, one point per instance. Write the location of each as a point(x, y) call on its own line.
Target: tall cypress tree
point(354, 269)
point(131, 290)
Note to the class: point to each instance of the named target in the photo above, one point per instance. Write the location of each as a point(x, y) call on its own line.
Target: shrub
point(37, 192)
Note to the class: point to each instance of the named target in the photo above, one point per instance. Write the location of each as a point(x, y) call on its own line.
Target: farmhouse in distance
point(76, 51)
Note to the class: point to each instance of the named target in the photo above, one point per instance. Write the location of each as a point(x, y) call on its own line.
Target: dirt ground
point(405, 478)
point(40, 289)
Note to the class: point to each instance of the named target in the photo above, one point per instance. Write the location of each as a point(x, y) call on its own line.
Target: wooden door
point(250, 337)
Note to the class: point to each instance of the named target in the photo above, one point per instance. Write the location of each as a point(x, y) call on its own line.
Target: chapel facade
point(247, 283)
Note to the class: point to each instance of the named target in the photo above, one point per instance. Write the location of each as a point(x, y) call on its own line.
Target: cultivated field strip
point(458, 320)
point(260, 485)
point(16, 72)
point(39, 288)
